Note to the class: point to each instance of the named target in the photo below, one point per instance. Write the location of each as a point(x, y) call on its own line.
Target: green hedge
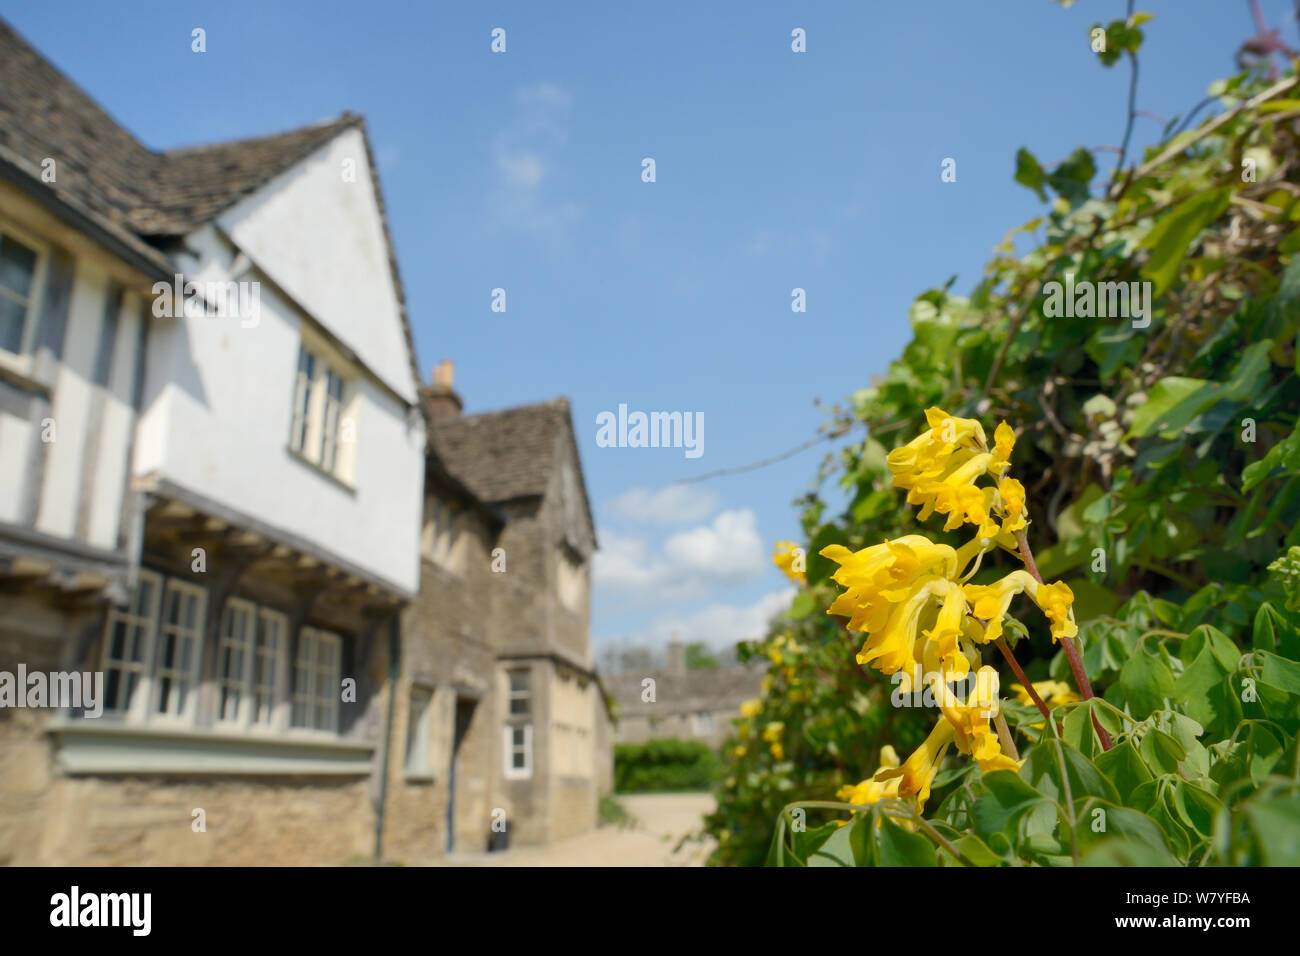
point(666, 764)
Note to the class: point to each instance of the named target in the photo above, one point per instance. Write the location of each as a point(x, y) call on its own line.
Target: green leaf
point(1147, 683)
point(1005, 800)
point(1170, 238)
point(1029, 173)
point(802, 605)
point(1275, 825)
point(1171, 404)
point(897, 847)
point(1125, 768)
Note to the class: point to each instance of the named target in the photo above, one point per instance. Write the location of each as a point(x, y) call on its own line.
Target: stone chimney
point(440, 399)
point(676, 658)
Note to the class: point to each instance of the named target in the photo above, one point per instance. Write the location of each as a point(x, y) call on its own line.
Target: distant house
point(497, 644)
point(688, 704)
point(221, 490)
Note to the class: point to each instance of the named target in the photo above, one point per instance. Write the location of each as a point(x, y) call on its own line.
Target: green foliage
point(1161, 458)
point(612, 812)
point(665, 764)
point(699, 657)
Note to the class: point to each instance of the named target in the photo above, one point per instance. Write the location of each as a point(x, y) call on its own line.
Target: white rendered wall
point(216, 417)
point(316, 231)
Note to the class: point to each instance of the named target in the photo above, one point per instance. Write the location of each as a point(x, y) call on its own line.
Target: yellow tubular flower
point(784, 556)
point(751, 708)
point(947, 629)
point(970, 721)
point(1004, 439)
point(1054, 693)
point(890, 648)
point(871, 790)
point(990, 601)
point(1012, 494)
point(1056, 601)
point(917, 773)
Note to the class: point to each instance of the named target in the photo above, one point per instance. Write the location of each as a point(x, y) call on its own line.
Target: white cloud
point(726, 553)
point(523, 155)
point(672, 504)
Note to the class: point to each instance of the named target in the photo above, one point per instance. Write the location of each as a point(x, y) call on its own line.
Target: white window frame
point(311, 641)
point(277, 712)
point(263, 622)
point(21, 361)
point(229, 643)
point(146, 626)
point(158, 709)
point(510, 748)
point(526, 694)
point(702, 723)
point(324, 394)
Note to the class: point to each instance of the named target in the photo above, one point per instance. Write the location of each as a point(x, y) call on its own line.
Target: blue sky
point(775, 170)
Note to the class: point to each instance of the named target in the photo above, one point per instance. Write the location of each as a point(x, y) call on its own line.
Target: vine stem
point(1071, 649)
point(1001, 645)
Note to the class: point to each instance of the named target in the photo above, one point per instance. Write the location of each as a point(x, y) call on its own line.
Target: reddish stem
point(1001, 645)
point(1071, 649)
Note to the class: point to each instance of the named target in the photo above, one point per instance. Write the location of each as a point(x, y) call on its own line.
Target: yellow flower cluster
point(789, 557)
point(921, 619)
point(939, 469)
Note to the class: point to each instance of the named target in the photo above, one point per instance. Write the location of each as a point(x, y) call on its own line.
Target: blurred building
point(687, 703)
point(221, 490)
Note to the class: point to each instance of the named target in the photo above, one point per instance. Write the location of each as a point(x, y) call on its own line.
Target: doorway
point(464, 716)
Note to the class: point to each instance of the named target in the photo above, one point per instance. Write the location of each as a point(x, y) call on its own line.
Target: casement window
point(250, 664)
point(702, 723)
point(316, 680)
point(128, 640)
point(152, 650)
point(520, 696)
point(234, 657)
point(176, 656)
point(302, 400)
point(321, 428)
point(519, 751)
point(418, 732)
point(518, 744)
point(22, 267)
point(269, 670)
point(440, 537)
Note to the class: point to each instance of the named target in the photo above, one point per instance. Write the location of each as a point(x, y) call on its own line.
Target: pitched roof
point(129, 193)
point(105, 169)
point(503, 454)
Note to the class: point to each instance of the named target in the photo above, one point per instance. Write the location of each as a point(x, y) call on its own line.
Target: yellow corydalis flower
point(789, 557)
point(871, 789)
point(1012, 496)
point(916, 774)
point(970, 721)
point(991, 601)
point(1054, 693)
point(751, 708)
point(940, 468)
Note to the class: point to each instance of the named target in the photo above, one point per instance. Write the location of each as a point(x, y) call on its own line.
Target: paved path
point(659, 820)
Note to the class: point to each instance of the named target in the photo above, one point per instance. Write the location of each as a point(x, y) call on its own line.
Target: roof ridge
point(342, 121)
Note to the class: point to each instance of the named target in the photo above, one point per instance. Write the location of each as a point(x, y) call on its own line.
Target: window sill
point(298, 456)
point(419, 776)
point(108, 746)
